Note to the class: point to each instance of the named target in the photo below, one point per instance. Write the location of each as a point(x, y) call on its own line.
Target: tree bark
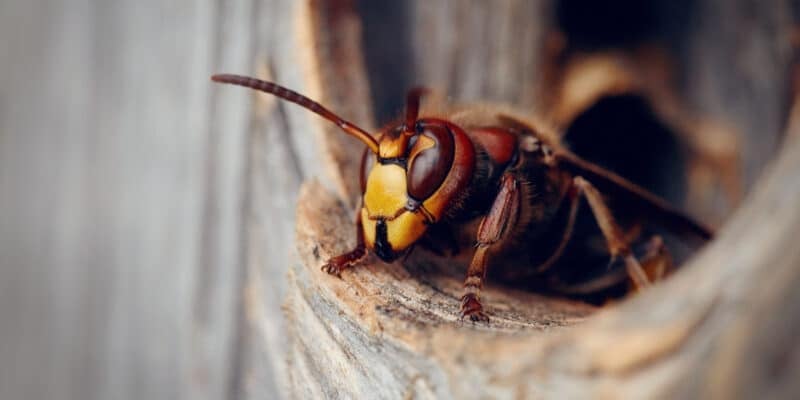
point(724, 326)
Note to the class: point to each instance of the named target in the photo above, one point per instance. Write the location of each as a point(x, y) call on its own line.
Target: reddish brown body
point(428, 178)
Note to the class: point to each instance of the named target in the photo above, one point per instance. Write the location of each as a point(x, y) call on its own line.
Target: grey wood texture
point(147, 216)
point(738, 59)
point(724, 327)
point(389, 332)
point(124, 184)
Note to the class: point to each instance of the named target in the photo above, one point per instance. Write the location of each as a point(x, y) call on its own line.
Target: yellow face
point(389, 228)
point(413, 184)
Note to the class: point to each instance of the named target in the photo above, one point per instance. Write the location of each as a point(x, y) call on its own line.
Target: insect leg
point(617, 245)
point(574, 202)
point(335, 265)
point(493, 230)
point(657, 261)
point(565, 235)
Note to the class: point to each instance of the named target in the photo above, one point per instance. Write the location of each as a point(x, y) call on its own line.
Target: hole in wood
point(604, 133)
point(624, 135)
point(388, 329)
point(592, 25)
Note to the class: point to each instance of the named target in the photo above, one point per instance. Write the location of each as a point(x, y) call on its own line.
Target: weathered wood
point(146, 216)
point(121, 189)
point(712, 330)
point(386, 331)
point(287, 145)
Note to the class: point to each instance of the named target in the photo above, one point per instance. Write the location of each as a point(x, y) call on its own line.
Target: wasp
point(507, 186)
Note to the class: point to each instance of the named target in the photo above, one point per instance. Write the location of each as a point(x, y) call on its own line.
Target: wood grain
point(724, 327)
point(147, 218)
point(390, 331)
point(121, 195)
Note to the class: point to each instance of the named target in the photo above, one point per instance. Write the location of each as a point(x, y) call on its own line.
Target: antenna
point(303, 101)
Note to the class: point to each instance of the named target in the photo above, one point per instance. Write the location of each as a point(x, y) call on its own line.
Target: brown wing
point(641, 201)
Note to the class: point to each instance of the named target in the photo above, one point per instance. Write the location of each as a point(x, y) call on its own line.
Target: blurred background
point(146, 215)
point(122, 183)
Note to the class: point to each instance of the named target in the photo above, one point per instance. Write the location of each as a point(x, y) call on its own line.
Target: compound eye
point(429, 160)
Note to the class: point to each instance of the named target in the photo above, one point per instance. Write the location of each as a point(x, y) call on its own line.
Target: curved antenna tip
point(224, 78)
point(303, 101)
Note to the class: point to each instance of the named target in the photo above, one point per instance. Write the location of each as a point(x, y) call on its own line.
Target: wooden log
point(138, 202)
point(121, 175)
point(724, 327)
point(390, 331)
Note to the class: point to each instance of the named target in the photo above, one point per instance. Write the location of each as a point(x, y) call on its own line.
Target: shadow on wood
point(722, 327)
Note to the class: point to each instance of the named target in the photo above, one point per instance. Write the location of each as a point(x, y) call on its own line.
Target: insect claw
point(479, 317)
point(471, 307)
point(332, 269)
point(475, 317)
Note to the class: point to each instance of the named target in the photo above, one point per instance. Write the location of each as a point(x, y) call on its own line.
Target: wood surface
point(391, 331)
point(711, 331)
point(152, 238)
point(123, 185)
